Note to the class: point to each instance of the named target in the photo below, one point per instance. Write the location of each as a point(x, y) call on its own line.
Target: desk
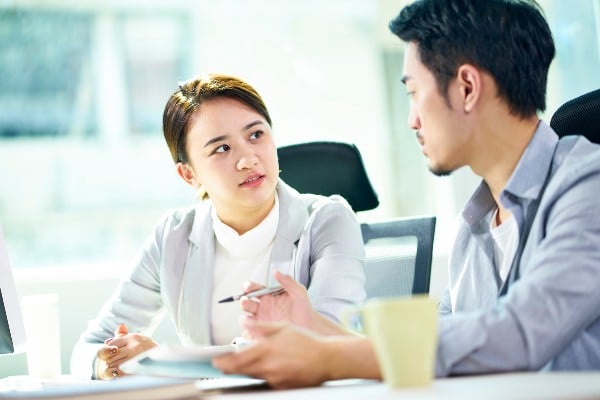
point(546, 386)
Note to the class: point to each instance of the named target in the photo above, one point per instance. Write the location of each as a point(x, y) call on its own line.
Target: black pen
point(255, 293)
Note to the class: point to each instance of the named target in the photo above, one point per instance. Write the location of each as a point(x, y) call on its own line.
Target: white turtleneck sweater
point(238, 258)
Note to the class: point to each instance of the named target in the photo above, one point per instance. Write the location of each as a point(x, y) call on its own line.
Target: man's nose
point(413, 120)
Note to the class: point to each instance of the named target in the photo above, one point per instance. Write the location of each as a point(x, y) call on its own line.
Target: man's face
point(437, 121)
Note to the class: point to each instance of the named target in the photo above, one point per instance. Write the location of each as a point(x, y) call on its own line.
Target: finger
point(121, 330)
point(104, 374)
point(244, 317)
point(249, 305)
point(257, 329)
point(109, 373)
point(292, 287)
point(118, 341)
point(117, 360)
point(251, 286)
point(106, 353)
point(121, 373)
point(242, 321)
point(112, 373)
point(240, 361)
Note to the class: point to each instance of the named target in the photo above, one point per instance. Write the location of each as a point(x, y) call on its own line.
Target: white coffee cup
point(42, 329)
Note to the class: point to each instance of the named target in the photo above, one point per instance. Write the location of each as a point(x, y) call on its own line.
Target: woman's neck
point(245, 220)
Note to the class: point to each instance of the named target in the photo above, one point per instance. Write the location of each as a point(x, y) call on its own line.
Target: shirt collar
point(528, 177)
point(525, 182)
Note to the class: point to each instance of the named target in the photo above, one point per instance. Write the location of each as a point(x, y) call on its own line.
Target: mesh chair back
point(328, 168)
point(579, 116)
point(398, 256)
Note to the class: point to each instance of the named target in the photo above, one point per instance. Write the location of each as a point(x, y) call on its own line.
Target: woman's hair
point(191, 94)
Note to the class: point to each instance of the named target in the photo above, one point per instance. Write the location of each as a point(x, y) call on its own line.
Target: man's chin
point(440, 171)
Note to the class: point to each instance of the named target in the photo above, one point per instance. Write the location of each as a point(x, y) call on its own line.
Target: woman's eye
point(222, 148)
point(256, 135)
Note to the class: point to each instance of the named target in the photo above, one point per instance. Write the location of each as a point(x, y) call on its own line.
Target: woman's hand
point(122, 347)
point(293, 305)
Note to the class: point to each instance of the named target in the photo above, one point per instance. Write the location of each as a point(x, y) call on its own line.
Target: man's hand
point(271, 357)
point(287, 356)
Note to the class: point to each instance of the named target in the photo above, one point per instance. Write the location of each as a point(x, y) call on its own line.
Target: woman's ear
point(187, 174)
point(469, 80)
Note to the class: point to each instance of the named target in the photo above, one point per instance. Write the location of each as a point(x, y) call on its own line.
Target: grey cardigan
point(318, 242)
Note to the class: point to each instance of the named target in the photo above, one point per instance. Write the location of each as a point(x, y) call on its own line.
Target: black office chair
point(579, 116)
point(328, 168)
point(398, 251)
point(398, 256)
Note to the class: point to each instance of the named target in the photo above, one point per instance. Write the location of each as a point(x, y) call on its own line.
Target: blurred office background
point(85, 172)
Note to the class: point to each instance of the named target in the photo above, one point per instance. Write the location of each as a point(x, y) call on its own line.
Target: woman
point(248, 225)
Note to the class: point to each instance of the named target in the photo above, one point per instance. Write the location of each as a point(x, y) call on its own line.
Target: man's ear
point(186, 173)
point(470, 83)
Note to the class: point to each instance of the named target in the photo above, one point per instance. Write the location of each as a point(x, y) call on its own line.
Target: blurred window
point(44, 57)
point(84, 170)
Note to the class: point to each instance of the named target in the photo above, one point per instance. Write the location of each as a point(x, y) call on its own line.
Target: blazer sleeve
point(136, 303)
point(337, 258)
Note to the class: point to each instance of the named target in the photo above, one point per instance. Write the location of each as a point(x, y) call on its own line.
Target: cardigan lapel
point(293, 215)
point(197, 279)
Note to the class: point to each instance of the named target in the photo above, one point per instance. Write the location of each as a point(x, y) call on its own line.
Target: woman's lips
point(253, 181)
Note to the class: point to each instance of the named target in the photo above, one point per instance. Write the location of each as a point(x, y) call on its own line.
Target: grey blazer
point(318, 242)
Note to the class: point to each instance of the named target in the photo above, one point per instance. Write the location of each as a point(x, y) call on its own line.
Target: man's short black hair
point(510, 39)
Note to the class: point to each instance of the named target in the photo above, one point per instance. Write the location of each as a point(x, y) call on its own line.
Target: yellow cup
point(404, 335)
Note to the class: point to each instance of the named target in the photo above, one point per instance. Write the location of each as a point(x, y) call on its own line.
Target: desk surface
point(544, 385)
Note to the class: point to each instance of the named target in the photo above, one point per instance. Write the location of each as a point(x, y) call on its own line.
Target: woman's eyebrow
point(215, 139)
point(253, 123)
point(223, 137)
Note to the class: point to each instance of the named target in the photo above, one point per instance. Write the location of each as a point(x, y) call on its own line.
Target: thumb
point(121, 330)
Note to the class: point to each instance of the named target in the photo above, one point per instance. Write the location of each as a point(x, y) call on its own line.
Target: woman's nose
point(247, 160)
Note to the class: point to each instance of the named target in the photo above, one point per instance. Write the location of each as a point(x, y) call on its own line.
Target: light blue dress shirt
point(550, 317)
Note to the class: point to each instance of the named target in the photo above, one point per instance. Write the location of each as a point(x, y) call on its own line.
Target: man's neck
point(504, 142)
point(502, 215)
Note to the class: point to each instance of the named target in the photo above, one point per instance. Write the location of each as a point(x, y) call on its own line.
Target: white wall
point(80, 298)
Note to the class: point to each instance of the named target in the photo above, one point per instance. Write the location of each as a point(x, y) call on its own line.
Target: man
point(524, 271)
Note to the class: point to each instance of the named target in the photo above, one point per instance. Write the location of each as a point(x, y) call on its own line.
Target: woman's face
point(233, 156)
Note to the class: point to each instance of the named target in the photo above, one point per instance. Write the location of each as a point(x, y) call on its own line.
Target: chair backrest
point(398, 256)
point(399, 251)
point(328, 168)
point(579, 116)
